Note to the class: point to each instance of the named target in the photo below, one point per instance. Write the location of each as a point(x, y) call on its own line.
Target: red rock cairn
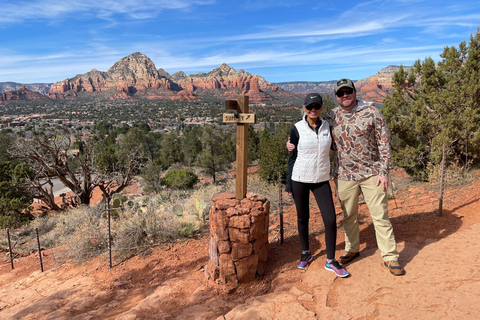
point(238, 246)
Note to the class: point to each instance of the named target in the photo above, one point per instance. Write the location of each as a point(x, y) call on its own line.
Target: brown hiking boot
point(395, 268)
point(348, 256)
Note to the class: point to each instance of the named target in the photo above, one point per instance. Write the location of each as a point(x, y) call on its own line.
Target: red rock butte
point(136, 76)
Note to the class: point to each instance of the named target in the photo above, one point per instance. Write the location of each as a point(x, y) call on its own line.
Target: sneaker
point(395, 268)
point(348, 256)
point(304, 260)
point(337, 268)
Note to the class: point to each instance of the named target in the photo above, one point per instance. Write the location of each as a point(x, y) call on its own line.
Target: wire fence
point(103, 243)
point(279, 229)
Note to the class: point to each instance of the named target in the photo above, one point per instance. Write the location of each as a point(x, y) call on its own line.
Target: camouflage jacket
point(361, 142)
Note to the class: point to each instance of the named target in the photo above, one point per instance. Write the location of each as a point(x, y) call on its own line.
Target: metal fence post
point(39, 250)
point(109, 236)
point(10, 247)
point(280, 205)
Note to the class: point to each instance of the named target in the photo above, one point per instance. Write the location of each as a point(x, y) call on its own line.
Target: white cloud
point(19, 11)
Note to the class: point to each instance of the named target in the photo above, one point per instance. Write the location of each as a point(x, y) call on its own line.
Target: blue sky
point(51, 40)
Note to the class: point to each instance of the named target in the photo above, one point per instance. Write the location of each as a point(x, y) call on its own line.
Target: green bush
point(187, 230)
point(180, 179)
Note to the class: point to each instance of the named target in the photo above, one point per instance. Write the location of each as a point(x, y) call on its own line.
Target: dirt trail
point(440, 255)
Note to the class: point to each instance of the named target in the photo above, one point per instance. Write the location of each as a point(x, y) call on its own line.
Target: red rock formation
point(134, 73)
point(231, 81)
point(184, 95)
point(135, 76)
point(372, 91)
point(378, 86)
point(22, 94)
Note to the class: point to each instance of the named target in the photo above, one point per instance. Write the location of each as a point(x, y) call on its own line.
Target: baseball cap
point(313, 98)
point(343, 83)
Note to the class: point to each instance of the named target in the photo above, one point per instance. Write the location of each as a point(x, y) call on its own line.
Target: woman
point(309, 170)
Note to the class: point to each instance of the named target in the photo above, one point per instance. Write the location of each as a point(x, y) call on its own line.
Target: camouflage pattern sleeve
point(382, 136)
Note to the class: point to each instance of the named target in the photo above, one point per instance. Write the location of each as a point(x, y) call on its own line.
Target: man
point(361, 165)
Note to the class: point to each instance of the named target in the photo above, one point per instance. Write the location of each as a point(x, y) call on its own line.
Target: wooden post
point(442, 181)
point(242, 118)
point(242, 150)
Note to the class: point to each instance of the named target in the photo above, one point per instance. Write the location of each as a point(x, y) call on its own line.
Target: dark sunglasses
point(315, 106)
point(341, 93)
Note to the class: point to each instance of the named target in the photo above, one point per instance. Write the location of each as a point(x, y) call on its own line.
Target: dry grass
point(81, 233)
point(455, 175)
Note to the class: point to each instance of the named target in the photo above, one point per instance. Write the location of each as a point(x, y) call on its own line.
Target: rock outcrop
point(135, 76)
point(378, 86)
point(373, 91)
point(384, 77)
point(23, 94)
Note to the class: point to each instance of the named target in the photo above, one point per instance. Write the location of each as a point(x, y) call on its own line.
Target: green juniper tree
point(273, 155)
point(436, 104)
point(190, 144)
point(171, 152)
point(14, 202)
point(216, 151)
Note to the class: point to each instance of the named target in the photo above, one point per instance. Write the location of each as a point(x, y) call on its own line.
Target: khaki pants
point(376, 199)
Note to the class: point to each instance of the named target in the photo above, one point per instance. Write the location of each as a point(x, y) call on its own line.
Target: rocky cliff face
point(135, 76)
point(384, 77)
point(378, 86)
point(23, 94)
point(226, 82)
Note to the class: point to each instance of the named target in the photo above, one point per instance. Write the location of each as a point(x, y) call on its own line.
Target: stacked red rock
point(238, 247)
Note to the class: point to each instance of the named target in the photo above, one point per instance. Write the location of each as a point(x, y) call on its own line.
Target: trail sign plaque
point(240, 118)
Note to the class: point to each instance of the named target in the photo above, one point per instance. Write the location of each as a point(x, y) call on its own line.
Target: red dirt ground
point(440, 254)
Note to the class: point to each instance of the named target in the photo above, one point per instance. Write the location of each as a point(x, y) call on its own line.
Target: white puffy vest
point(313, 162)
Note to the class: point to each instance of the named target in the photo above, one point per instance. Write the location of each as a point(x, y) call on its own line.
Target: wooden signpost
point(242, 118)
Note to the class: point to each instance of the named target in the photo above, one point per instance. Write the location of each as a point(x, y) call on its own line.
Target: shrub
point(180, 179)
point(187, 230)
point(188, 226)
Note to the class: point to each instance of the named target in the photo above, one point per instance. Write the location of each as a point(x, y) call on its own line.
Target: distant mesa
point(37, 87)
point(374, 88)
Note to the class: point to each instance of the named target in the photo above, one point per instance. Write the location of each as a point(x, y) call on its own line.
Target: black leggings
point(323, 196)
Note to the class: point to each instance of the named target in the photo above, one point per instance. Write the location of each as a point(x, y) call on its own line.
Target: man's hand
point(384, 182)
point(290, 146)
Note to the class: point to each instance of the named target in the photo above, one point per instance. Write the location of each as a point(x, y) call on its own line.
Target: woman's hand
point(290, 146)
